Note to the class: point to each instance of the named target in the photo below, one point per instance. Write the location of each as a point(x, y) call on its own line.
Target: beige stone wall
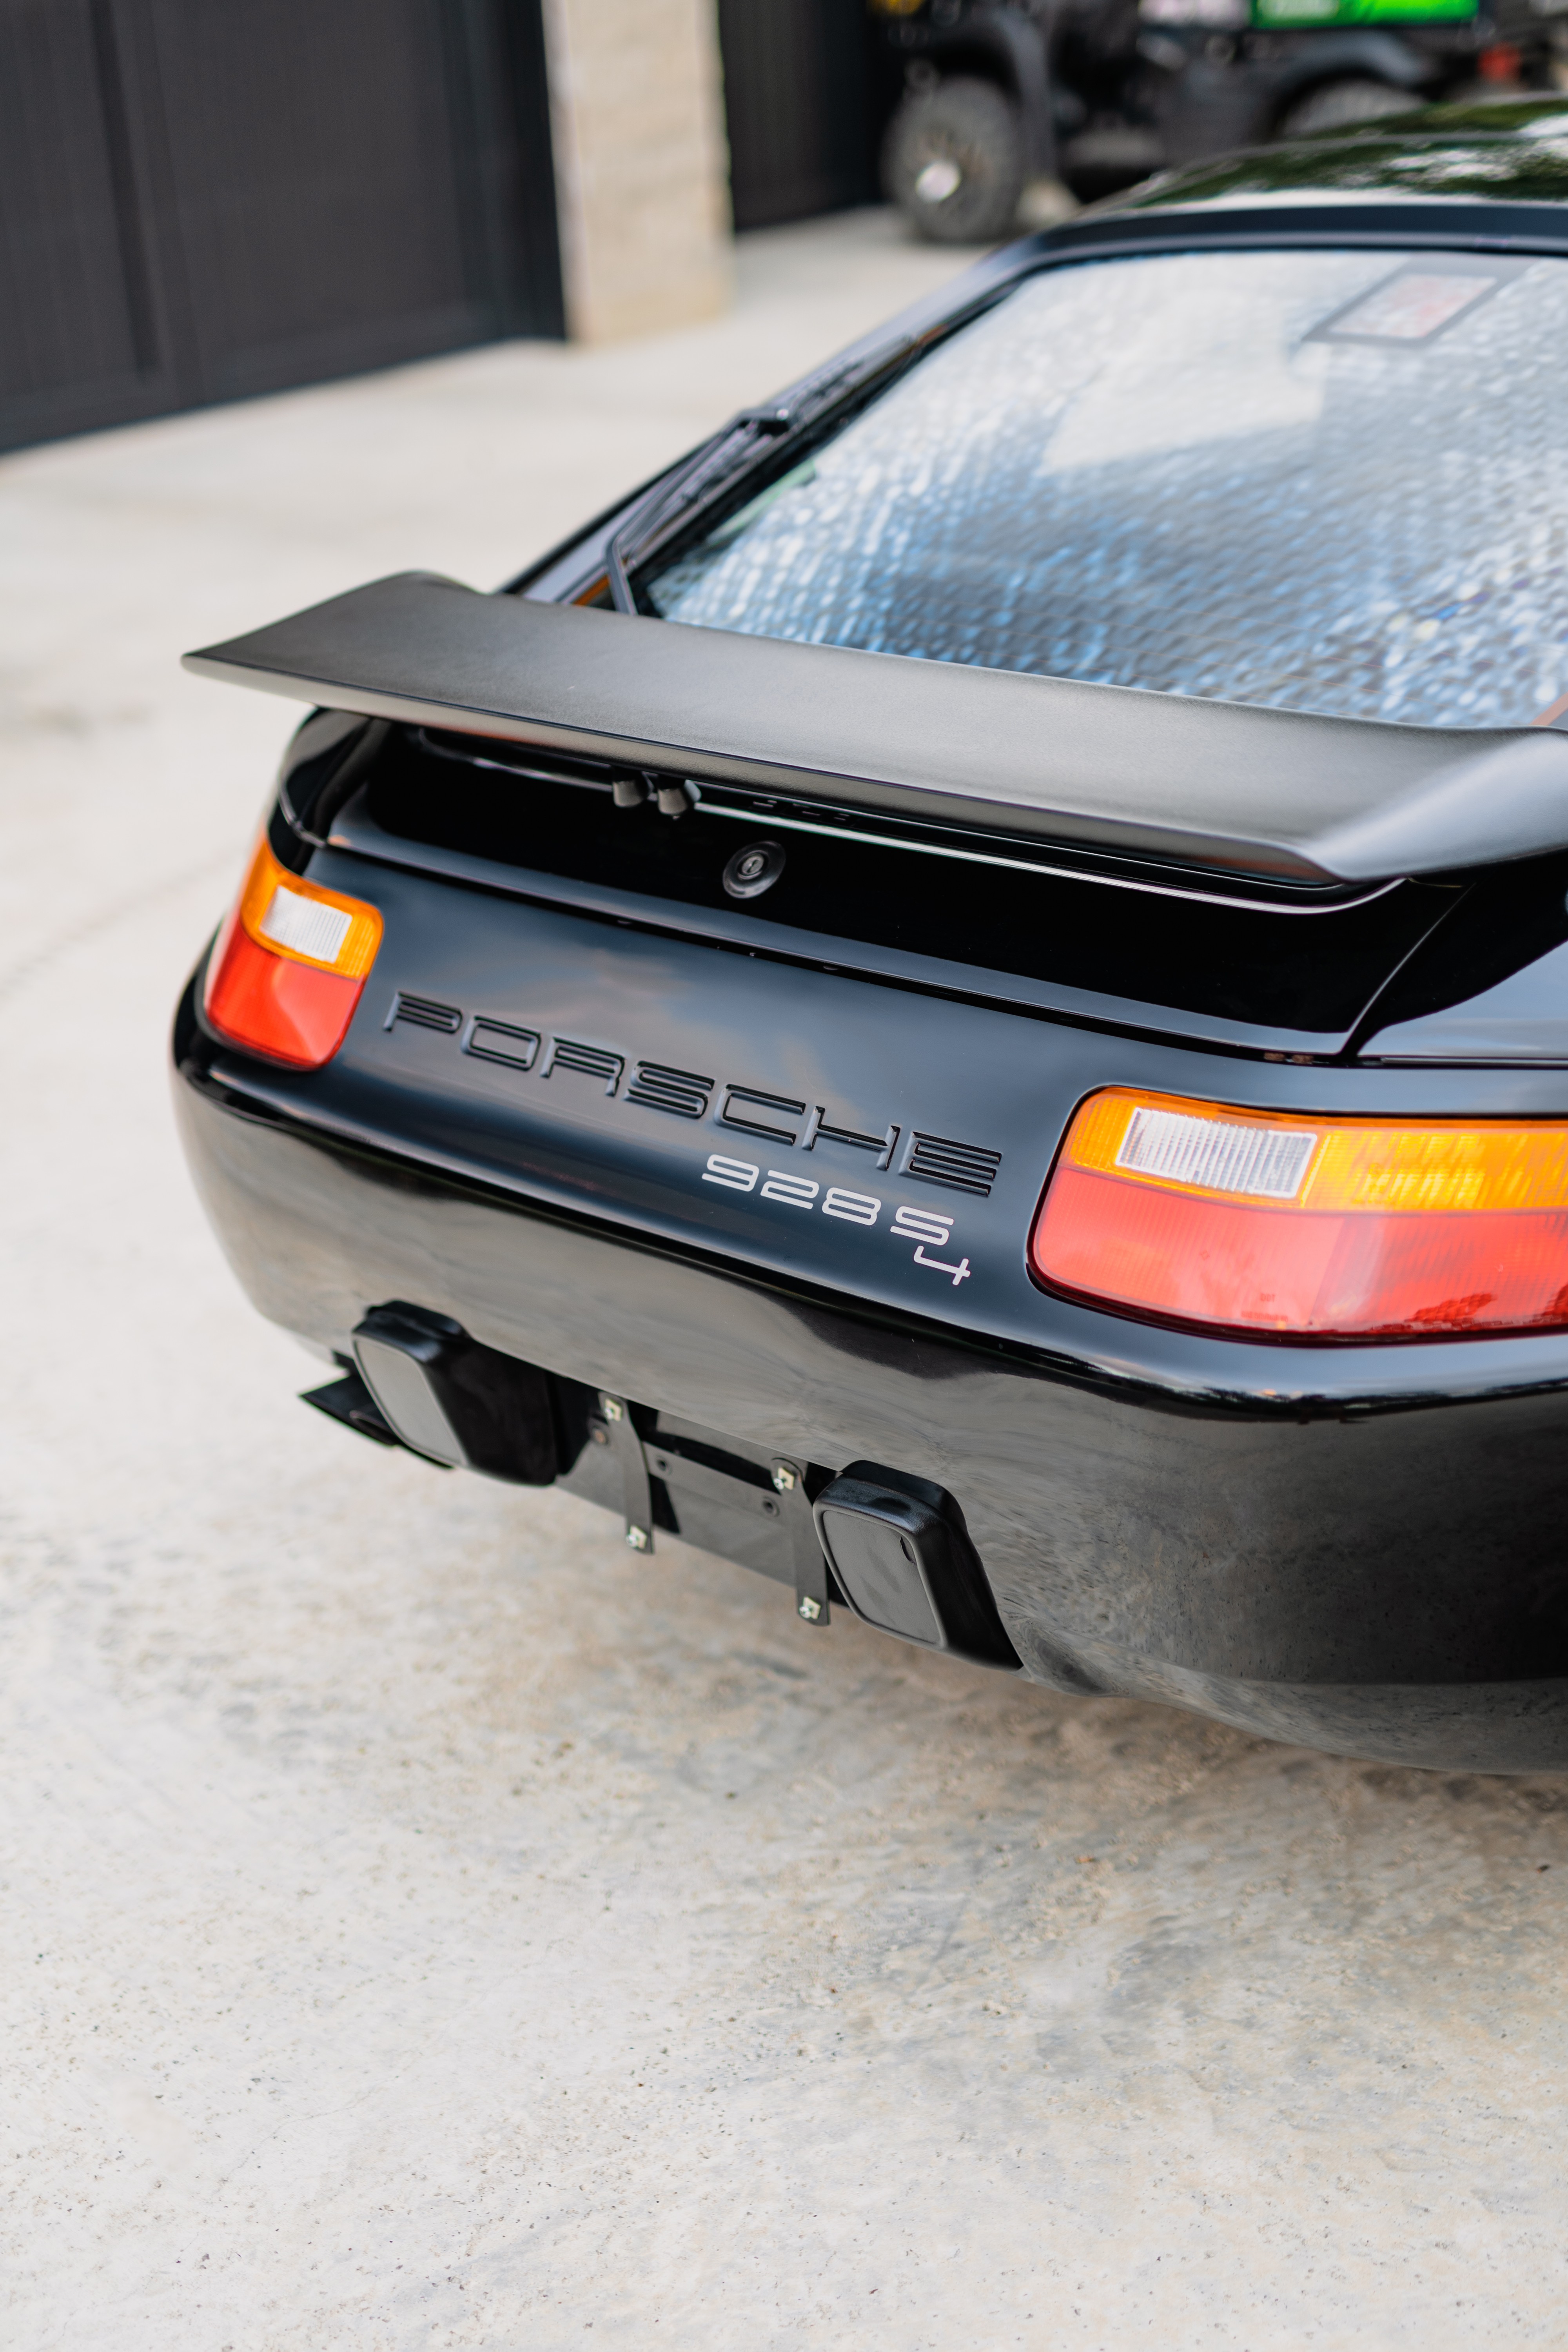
point(641, 168)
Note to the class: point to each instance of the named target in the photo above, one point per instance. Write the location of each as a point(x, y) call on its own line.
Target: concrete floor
point(425, 1925)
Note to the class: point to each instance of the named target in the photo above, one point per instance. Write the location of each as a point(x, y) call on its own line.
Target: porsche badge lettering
point(919, 1225)
point(683, 1094)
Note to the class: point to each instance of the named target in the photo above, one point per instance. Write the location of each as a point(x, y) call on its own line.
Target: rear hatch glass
point(1329, 481)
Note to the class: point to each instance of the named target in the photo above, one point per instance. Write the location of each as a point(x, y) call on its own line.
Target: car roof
point(1493, 174)
point(1474, 172)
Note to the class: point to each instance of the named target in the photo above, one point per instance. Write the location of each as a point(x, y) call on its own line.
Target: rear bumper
point(1376, 1574)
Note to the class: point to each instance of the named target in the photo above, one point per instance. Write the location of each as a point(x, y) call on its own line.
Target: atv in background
point(1095, 95)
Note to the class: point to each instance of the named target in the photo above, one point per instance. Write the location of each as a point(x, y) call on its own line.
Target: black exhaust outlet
point(454, 1400)
point(901, 1555)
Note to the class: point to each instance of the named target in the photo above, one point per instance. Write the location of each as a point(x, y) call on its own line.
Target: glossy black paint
point(1312, 969)
point(1453, 153)
point(1327, 1542)
point(1358, 1548)
point(1490, 982)
point(631, 889)
point(596, 1064)
point(571, 1026)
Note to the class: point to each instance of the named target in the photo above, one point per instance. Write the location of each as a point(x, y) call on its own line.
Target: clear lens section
point(1265, 1161)
point(305, 922)
point(306, 926)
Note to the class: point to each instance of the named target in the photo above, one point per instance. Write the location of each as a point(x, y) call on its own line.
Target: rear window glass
point(1319, 481)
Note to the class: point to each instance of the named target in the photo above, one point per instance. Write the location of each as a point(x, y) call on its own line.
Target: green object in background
point(1313, 15)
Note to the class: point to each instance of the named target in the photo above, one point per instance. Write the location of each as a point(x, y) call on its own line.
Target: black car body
point(730, 1000)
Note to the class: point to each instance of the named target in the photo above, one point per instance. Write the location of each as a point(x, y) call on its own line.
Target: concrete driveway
point(426, 1925)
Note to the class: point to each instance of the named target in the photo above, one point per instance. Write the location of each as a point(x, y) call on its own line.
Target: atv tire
point(954, 163)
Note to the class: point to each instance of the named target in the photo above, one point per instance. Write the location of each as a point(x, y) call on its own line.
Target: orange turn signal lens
point(288, 967)
point(1320, 1228)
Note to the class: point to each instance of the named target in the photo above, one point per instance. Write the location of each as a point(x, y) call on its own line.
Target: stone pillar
point(641, 165)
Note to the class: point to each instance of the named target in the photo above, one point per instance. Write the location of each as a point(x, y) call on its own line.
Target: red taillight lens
point(288, 964)
point(1328, 1228)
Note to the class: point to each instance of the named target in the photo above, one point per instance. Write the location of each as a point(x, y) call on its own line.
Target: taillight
point(288, 964)
point(1329, 1228)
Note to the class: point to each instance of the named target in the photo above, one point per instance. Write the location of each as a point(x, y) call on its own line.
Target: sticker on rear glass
point(1413, 307)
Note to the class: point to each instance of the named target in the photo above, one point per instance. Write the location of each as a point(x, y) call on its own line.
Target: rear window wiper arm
point(730, 453)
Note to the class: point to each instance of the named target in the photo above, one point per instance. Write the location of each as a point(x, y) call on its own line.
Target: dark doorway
point(201, 199)
point(808, 86)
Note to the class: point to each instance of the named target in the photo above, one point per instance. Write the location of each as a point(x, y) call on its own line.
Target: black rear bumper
point(1377, 1573)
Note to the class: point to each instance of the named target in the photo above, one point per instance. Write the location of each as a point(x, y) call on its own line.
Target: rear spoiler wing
point(1277, 794)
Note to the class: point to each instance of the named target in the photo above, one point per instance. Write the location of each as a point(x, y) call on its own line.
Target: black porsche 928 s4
point(965, 1003)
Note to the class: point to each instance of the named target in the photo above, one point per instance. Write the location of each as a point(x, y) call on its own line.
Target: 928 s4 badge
point(927, 1228)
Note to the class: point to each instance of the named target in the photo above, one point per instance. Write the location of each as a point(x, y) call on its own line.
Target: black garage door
point(205, 198)
point(808, 86)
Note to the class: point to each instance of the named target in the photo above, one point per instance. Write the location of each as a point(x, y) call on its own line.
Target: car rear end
point(1084, 1257)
